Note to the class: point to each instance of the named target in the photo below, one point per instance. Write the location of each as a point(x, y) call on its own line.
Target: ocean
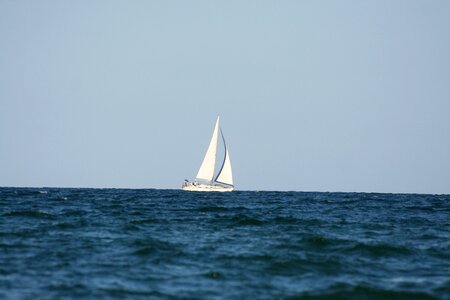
point(64, 243)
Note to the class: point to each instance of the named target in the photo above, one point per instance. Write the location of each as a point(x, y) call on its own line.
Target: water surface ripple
point(169, 244)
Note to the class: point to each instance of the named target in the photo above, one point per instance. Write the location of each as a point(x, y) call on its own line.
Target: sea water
point(170, 244)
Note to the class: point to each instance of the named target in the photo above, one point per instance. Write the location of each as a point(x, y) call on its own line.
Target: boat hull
point(206, 188)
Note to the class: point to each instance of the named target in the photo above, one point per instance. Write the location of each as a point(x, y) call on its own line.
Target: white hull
point(206, 188)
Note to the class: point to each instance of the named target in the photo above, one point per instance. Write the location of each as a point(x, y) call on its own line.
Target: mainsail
point(207, 168)
point(206, 171)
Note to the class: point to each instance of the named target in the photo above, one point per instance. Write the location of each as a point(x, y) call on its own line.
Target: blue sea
point(60, 243)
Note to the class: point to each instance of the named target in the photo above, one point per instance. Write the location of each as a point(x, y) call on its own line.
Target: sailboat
point(207, 180)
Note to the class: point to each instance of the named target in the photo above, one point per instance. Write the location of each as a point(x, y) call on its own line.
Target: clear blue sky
point(313, 95)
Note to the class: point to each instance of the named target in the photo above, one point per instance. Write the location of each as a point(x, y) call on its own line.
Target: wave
point(379, 250)
point(356, 292)
point(154, 246)
point(291, 220)
point(27, 192)
point(243, 220)
point(145, 221)
point(258, 220)
point(29, 213)
point(319, 241)
point(220, 209)
point(214, 275)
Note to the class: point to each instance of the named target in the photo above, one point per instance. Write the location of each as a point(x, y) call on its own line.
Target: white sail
point(225, 174)
point(206, 171)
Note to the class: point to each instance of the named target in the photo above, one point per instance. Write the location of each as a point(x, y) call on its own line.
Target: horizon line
point(237, 190)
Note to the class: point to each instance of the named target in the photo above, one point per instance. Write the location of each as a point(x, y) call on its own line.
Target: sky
point(313, 95)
